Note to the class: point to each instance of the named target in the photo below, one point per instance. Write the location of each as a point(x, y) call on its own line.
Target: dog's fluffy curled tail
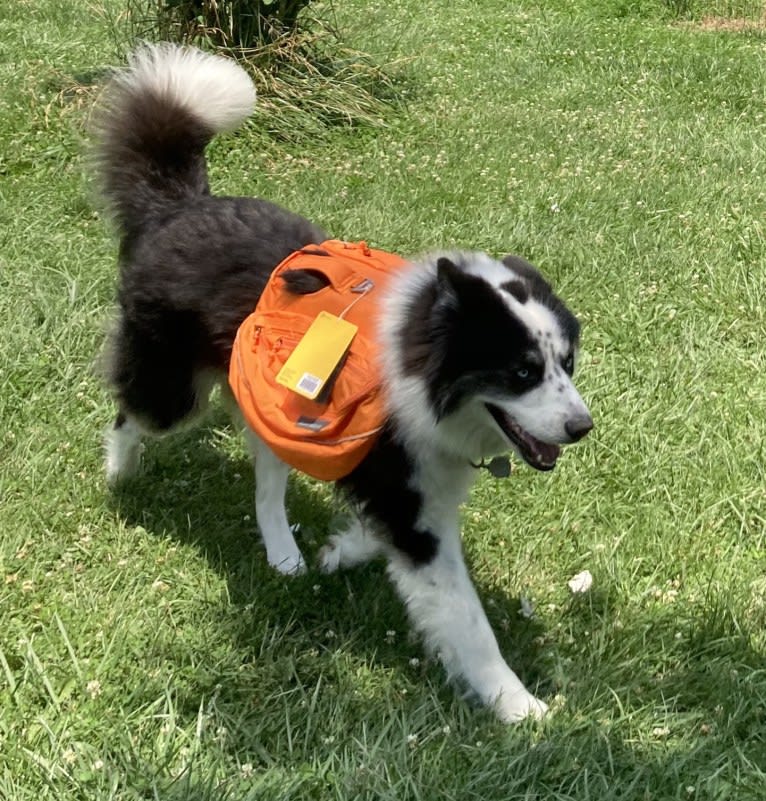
point(156, 118)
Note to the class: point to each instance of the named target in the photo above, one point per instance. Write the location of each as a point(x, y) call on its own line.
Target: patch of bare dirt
point(732, 24)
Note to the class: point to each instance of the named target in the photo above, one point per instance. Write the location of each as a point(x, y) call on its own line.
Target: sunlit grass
point(147, 651)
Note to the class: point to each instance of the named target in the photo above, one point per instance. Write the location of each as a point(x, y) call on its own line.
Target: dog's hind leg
point(354, 547)
point(122, 444)
point(270, 486)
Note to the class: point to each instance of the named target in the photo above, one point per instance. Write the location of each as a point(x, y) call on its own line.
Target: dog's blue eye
point(527, 376)
point(569, 364)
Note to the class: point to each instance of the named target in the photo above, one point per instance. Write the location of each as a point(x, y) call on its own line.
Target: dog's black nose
point(579, 427)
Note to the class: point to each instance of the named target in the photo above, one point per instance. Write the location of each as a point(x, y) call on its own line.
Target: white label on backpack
point(309, 384)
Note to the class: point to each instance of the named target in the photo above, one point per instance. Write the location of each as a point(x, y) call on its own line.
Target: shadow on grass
point(192, 492)
point(278, 641)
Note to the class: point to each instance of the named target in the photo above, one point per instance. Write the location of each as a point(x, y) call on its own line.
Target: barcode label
point(309, 384)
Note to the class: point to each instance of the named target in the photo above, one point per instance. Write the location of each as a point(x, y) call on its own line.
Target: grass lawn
point(147, 651)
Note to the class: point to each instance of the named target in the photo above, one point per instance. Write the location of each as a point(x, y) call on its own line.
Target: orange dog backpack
point(326, 437)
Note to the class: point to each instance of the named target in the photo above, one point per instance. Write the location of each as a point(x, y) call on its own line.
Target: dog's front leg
point(270, 485)
point(444, 607)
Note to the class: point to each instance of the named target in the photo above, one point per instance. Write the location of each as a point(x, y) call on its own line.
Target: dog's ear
point(454, 282)
point(447, 272)
point(523, 269)
point(460, 289)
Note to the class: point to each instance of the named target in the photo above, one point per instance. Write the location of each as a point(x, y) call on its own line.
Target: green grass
point(146, 651)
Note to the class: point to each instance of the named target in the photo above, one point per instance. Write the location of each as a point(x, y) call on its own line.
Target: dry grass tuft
point(308, 78)
point(733, 24)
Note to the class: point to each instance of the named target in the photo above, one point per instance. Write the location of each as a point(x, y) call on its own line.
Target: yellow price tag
point(316, 356)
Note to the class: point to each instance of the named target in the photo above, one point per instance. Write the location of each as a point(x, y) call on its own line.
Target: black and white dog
point(479, 354)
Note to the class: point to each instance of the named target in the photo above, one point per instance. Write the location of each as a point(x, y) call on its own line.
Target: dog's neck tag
point(499, 467)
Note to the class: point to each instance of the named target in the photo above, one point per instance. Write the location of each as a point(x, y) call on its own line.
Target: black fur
point(187, 282)
point(192, 266)
point(383, 475)
point(518, 289)
point(150, 158)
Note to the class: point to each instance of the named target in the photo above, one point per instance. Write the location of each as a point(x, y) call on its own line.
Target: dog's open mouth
point(537, 454)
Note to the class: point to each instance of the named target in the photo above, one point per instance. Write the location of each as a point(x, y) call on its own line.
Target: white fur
point(440, 598)
point(123, 451)
point(354, 547)
point(406, 396)
point(443, 606)
point(215, 89)
point(271, 474)
point(442, 602)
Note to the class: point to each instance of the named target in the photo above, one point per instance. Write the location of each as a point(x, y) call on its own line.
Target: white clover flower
point(527, 610)
point(581, 582)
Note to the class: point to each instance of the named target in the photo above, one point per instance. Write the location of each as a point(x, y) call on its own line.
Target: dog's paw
point(330, 555)
point(289, 565)
point(349, 549)
point(122, 465)
point(122, 451)
point(517, 706)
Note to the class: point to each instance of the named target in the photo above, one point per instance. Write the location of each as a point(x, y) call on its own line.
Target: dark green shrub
point(233, 24)
point(307, 77)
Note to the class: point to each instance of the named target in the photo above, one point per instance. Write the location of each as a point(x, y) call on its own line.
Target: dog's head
point(494, 350)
